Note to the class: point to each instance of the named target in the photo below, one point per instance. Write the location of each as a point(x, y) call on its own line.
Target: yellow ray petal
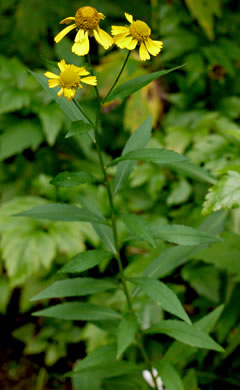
point(62, 65)
point(82, 71)
point(69, 93)
point(154, 47)
point(64, 32)
point(101, 15)
point(132, 44)
point(81, 48)
point(143, 53)
point(92, 80)
point(51, 75)
point(128, 17)
point(67, 20)
point(119, 30)
point(79, 36)
point(103, 38)
point(60, 93)
point(53, 83)
point(122, 41)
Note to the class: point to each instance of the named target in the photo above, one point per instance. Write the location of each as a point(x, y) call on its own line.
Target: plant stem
point(146, 359)
point(118, 76)
point(112, 208)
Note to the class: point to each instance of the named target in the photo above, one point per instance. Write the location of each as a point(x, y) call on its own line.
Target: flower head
point(86, 21)
point(138, 32)
point(70, 79)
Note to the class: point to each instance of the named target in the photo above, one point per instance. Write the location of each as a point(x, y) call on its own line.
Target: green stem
point(146, 359)
point(83, 113)
point(118, 76)
point(112, 208)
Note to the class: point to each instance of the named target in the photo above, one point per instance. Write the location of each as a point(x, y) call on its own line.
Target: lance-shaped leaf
point(78, 128)
point(76, 287)
point(157, 156)
point(162, 295)
point(72, 179)
point(126, 333)
point(86, 260)
point(113, 369)
point(62, 212)
point(187, 168)
point(104, 232)
point(183, 235)
point(178, 255)
point(181, 354)
point(101, 355)
point(128, 88)
point(169, 375)
point(187, 334)
point(139, 139)
point(79, 311)
point(139, 226)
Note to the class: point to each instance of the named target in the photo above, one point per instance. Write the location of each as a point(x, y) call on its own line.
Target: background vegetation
point(195, 111)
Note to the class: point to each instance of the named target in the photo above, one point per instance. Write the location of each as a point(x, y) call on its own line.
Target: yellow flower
point(86, 21)
point(137, 32)
point(70, 79)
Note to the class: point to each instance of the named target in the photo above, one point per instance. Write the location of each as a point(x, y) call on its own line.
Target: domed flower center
point(140, 30)
point(69, 78)
point(87, 18)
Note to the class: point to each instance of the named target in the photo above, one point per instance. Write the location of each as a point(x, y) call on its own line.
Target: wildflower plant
point(111, 365)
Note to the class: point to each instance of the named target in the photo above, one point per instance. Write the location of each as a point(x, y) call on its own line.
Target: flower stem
point(118, 76)
point(112, 208)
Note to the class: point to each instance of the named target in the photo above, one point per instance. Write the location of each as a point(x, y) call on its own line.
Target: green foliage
point(134, 85)
point(116, 226)
point(187, 334)
point(163, 296)
point(225, 194)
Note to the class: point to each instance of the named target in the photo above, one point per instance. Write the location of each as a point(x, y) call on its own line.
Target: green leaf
point(225, 194)
point(128, 88)
point(182, 235)
point(139, 226)
point(126, 333)
point(79, 311)
point(139, 139)
point(157, 156)
point(52, 120)
point(103, 363)
point(188, 334)
point(190, 380)
point(204, 279)
point(78, 128)
point(86, 260)
point(224, 255)
point(104, 232)
point(72, 179)
point(187, 168)
point(76, 287)
point(162, 295)
point(176, 256)
point(101, 355)
point(181, 354)
point(169, 376)
point(26, 252)
point(61, 212)
point(114, 369)
point(22, 135)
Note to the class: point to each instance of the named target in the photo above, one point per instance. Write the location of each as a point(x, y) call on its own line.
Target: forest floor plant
point(110, 366)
